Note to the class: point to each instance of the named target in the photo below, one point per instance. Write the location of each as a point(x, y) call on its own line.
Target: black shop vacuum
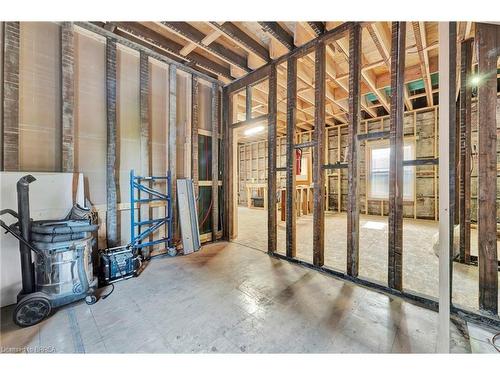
point(62, 271)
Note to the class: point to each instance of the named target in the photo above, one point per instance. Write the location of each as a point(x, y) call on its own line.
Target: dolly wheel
point(31, 310)
point(90, 299)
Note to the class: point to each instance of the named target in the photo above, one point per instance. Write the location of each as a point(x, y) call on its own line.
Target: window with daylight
point(378, 173)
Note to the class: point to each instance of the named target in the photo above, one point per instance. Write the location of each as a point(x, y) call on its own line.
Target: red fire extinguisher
point(298, 161)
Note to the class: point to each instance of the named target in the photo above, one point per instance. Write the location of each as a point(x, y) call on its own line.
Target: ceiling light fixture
point(254, 130)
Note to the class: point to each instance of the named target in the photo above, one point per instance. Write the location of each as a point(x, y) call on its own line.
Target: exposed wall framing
point(67, 96)
point(487, 52)
point(10, 121)
point(353, 176)
point(395, 245)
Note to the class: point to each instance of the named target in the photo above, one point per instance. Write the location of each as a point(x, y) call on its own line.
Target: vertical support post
point(228, 165)
point(67, 97)
point(452, 124)
point(145, 213)
point(443, 345)
point(215, 160)
point(271, 161)
point(395, 245)
point(248, 103)
point(195, 112)
point(487, 54)
point(319, 157)
point(111, 178)
point(144, 112)
point(465, 148)
point(10, 103)
point(172, 143)
point(352, 173)
point(291, 115)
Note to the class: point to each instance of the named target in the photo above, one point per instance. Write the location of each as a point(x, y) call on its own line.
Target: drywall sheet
point(158, 83)
point(183, 125)
point(90, 116)
point(128, 129)
point(51, 197)
point(39, 97)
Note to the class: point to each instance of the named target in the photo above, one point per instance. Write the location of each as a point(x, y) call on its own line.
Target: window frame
point(379, 144)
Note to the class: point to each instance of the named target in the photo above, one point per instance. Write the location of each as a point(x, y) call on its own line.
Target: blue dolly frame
point(138, 186)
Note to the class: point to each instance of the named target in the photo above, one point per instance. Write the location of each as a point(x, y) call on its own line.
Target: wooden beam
point(420, 40)
point(228, 164)
point(172, 143)
point(278, 33)
point(317, 27)
point(10, 136)
point(248, 104)
point(263, 71)
point(145, 212)
point(352, 174)
point(112, 236)
point(231, 31)
point(271, 160)
point(195, 118)
point(395, 245)
point(67, 97)
point(452, 103)
point(215, 159)
point(175, 48)
point(291, 118)
point(465, 148)
point(193, 35)
point(319, 157)
point(487, 55)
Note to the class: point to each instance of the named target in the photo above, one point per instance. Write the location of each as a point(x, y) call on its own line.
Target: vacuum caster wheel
point(90, 299)
point(31, 310)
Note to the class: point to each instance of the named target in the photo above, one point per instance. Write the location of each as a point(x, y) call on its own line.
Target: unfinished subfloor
point(230, 298)
point(420, 263)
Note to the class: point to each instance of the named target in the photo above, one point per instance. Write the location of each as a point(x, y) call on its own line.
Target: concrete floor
point(229, 298)
point(420, 264)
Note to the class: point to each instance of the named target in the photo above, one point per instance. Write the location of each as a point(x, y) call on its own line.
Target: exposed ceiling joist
point(160, 41)
point(420, 40)
point(278, 33)
point(193, 35)
point(318, 27)
point(245, 41)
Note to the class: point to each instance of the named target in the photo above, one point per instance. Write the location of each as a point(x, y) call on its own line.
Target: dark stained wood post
point(395, 245)
point(112, 237)
point(487, 54)
point(144, 113)
point(465, 148)
point(195, 116)
point(10, 136)
point(145, 212)
point(248, 103)
point(67, 97)
point(352, 172)
point(215, 160)
point(228, 165)
point(319, 157)
point(271, 161)
point(453, 130)
point(291, 116)
point(172, 143)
